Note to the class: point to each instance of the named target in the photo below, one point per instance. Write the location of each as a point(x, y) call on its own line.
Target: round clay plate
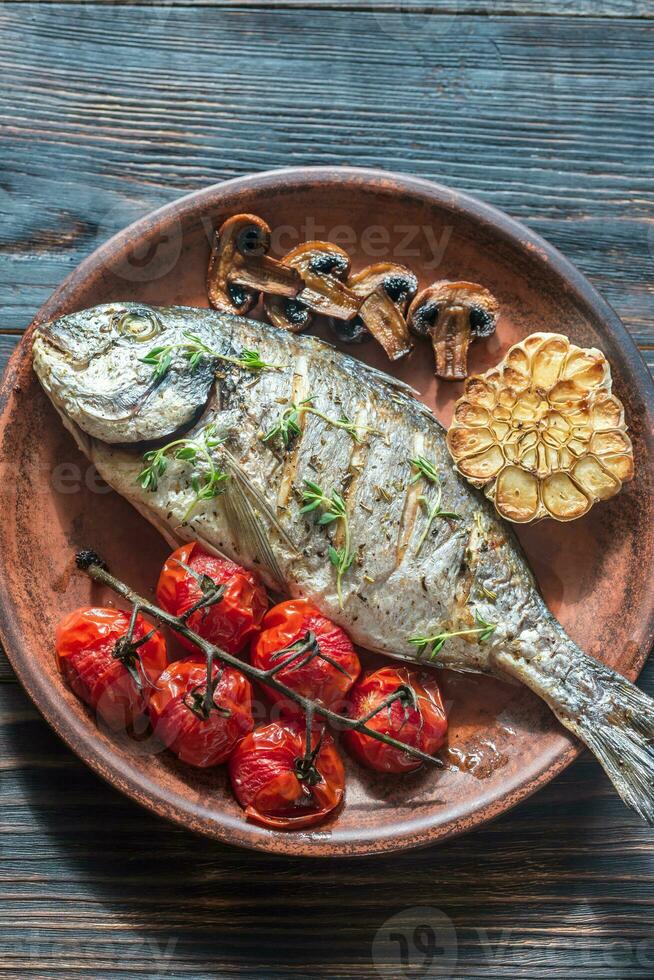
point(595, 572)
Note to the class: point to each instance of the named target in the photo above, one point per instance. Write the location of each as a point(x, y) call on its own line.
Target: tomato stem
point(212, 592)
point(305, 765)
point(96, 569)
point(309, 645)
point(126, 651)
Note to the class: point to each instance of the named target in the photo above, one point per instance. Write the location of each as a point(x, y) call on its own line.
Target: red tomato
point(270, 783)
point(229, 623)
point(179, 713)
point(419, 719)
point(326, 681)
point(116, 683)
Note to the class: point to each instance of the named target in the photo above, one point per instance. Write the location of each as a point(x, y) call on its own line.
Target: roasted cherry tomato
point(417, 718)
point(278, 785)
point(103, 669)
point(328, 676)
point(201, 730)
point(190, 575)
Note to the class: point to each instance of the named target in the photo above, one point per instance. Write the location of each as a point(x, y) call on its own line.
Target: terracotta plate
point(595, 573)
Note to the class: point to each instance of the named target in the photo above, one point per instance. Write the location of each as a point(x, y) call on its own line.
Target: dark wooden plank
point(494, 8)
point(561, 886)
point(110, 111)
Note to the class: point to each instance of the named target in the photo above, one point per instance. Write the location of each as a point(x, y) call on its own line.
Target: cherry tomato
point(189, 574)
point(328, 676)
point(199, 730)
point(277, 786)
point(113, 677)
point(418, 718)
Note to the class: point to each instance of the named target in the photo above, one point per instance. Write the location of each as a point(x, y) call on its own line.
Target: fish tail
point(613, 717)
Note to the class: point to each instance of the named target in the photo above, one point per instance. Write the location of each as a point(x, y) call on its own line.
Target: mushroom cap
point(240, 267)
point(542, 432)
point(249, 234)
point(399, 283)
point(320, 259)
point(470, 295)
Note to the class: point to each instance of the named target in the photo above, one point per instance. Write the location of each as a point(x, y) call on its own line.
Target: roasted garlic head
point(542, 432)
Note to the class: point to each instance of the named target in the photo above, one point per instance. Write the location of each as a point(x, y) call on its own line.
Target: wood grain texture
point(108, 111)
point(494, 8)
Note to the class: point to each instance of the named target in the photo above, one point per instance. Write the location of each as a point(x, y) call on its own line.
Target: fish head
point(98, 368)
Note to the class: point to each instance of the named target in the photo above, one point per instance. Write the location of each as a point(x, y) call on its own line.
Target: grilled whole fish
point(468, 577)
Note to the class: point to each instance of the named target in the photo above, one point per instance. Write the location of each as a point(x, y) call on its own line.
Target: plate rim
point(100, 757)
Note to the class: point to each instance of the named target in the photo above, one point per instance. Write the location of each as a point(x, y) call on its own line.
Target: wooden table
point(542, 107)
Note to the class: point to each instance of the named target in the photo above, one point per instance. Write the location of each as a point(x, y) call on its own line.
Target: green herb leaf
point(287, 426)
point(436, 642)
point(426, 470)
point(206, 483)
point(334, 509)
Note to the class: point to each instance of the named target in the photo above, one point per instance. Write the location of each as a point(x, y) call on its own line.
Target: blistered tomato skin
point(230, 623)
point(325, 680)
point(85, 645)
point(264, 773)
point(179, 720)
point(418, 720)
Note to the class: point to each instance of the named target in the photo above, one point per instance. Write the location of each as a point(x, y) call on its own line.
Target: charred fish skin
point(401, 585)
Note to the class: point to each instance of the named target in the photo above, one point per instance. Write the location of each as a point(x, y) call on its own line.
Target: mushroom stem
point(265, 274)
point(451, 338)
point(327, 295)
point(452, 315)
point(386, 323)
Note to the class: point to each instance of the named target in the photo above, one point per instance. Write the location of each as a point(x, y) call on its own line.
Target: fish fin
point(613, 717)
point(622, 739)
point(247, 527)
point(249, 487)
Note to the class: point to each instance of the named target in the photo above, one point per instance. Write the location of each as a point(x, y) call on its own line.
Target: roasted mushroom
point(386, 290)
point(542, 432)
point(240, 267)
point(323, 268)
point(452, 314)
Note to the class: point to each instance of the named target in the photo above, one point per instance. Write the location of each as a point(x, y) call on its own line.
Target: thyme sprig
point(96, 569)
point(195, 349)
point(287, 426)
point(207, 483)
point(426, 470)
point(435, 643)
point(333, 509)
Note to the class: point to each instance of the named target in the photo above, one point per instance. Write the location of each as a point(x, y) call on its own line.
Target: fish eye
point(140, 324)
